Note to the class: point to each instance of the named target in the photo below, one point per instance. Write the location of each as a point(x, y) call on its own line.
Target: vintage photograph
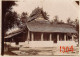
point(40, 28)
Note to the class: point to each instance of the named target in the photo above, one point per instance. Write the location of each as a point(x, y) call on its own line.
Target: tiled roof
point(45, 26)
point(13, 34)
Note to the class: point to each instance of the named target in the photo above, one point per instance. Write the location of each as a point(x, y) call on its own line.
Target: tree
point(24, 17)
point(6, 6)
point(69, 21)
point(61, 22)
point(55, 19)
point(23, 20)
point(77, 25)
point(11, 18)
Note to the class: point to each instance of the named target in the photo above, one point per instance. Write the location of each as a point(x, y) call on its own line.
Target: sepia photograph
point(40, 28)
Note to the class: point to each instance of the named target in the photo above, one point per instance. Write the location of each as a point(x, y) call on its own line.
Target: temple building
point(45, 34)
point(40, 32)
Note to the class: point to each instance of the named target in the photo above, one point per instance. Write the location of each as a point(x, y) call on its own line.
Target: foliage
point(74, 23)
point(6, 8)
point(23, 20)
point(11, 18)
point(56, 19)
point(23, 17)
point(77, 25)
point(69, 21)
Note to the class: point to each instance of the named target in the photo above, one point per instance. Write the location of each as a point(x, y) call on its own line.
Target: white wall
point(49, 43)
point(66, 43)
point(41, 44)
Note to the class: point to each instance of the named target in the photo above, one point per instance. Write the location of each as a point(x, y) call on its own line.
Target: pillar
point(57, 37)
point(50, 37)
point(65, 37)
point(72, 37)
point(32, 36)
point(42, 37)
point(28, 37)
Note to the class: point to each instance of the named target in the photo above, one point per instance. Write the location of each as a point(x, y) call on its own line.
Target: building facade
point(45, 34)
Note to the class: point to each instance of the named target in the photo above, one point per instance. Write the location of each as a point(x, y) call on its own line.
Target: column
point(32, 36)
point(72, 37)
point(42, 37)
point(28, 37)
point(50, 37)
point(57, 37)
point(65, 37)
point(12, 39)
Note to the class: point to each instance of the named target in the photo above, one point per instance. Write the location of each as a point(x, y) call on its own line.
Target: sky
point(62, 8)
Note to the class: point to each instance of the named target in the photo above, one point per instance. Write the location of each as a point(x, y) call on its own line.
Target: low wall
point(44, 43)
point(49, 43)
point(66, 43)
point(40, 43)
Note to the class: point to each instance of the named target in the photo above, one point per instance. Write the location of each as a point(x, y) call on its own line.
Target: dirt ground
point(47, 51)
